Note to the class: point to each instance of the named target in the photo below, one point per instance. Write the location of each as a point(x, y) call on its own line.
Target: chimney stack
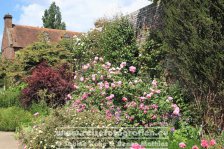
point(8, 21)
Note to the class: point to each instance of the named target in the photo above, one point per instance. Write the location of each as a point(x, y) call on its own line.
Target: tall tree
point(52, 18)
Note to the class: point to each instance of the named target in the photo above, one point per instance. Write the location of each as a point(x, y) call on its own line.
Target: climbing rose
point(182, 145)
point(212, 142)
point(195, 147)
point(204, 143)
point(136, 146)
point(132, 69)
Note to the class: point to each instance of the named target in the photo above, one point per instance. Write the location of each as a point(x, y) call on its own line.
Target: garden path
point(8, 141)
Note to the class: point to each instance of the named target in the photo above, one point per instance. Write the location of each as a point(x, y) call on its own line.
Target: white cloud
point(31, 15)
point(79, 15)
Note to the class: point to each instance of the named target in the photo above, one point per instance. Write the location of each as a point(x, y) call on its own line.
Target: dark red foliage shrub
point(54, 84)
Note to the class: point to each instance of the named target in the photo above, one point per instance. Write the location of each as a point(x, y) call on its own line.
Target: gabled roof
point(24, 35)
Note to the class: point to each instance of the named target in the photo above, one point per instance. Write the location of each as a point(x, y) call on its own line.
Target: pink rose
point(124, 99)
point(82, 79)
point(204, 143)
point(136, 146)
point(154, 83)
point(149, 95)
point(85, 96)
point(69, 96)
point(176, 111)
point(212, 142)
point(195, 147)
point(132, 69)
point(182, 145)
point(170, 98)
point(123, 64)
point(113, 85)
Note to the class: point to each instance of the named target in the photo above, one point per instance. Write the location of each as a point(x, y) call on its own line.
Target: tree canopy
point(52, 18)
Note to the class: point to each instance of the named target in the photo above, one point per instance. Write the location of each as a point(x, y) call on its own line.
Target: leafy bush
point(38, 52)
point(118, 42)
point(13, 117)
point(48, 84)
point(10, 97)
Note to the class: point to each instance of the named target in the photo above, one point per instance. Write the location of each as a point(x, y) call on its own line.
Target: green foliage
point(151, 59)
point(52, 18)
point(193, 35)
point(10, 97)
point(13, 117)
point(118, 41)
point(42, 51)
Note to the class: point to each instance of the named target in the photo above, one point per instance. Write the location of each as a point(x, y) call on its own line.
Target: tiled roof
point(25, 35)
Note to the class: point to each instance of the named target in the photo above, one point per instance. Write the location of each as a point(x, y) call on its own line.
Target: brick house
point(16, 37)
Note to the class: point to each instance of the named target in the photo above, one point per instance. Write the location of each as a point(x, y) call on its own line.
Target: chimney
point(8, 21)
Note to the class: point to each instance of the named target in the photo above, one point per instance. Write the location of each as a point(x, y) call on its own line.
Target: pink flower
point(141, 107)
point(154, 83)
point(136, 146)
point(212, 142)
point(124, 99)
point(69, 96)
point(142, 99)
point(94, 77)
point(85, 96)
point(182, 145)
point(132, 69)
point(176, 111)
point(157, 91)
point(36, 114)
point(75, 86)
point(106, 85)
point(119, 83)
point(75, 77)
point(82, 79)
point(195, 147)
point(170, 98)
point(113, 85)
point(123, 64)
point(154, 117)
point(149, 95)
point(110, 97)
point(204, 143)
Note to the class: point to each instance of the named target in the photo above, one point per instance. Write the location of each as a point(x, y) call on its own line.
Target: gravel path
point(8, 141)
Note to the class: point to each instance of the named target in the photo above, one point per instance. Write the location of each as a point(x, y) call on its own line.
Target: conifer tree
point(52, 18)
point(193, 35)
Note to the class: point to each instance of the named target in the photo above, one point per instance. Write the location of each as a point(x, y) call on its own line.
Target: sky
point(79, 15)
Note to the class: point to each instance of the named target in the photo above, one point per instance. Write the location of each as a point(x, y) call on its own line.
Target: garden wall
point(145, 19)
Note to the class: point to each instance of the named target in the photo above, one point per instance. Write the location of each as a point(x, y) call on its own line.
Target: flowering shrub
point(43, 135)
point(47, 84)
point(122, 95)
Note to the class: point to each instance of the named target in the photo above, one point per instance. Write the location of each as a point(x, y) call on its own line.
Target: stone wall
point(146, 19)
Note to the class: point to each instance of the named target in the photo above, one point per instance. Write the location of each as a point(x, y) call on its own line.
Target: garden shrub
point(48, 84)
point(44, 135)
point(118, 41)
point(13, 117)
point(122, 95)
point(38, 52)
